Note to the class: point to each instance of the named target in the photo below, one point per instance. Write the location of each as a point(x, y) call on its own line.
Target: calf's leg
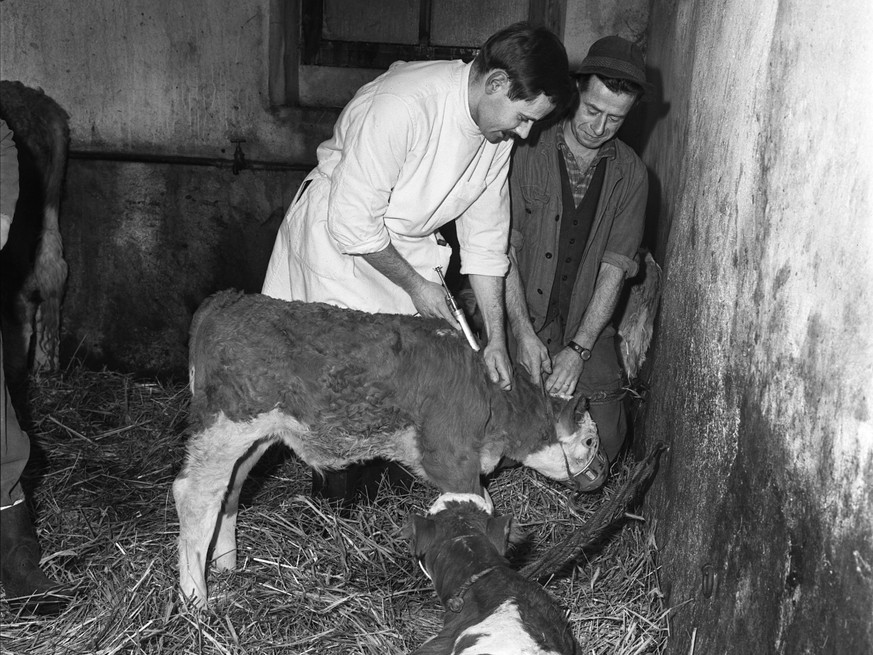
point(199, 492)
point(224, 556)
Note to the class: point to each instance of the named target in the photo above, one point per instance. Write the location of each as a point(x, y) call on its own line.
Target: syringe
point(457, 312)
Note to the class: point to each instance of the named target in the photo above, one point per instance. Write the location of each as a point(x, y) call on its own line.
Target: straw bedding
point(310, 579)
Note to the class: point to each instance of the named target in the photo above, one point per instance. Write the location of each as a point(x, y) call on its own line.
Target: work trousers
point(14, 447)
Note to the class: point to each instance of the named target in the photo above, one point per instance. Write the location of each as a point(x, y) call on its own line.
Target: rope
point(565, 552)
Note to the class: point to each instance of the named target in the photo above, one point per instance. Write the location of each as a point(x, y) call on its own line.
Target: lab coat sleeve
point(378, 137)
point(483, 230)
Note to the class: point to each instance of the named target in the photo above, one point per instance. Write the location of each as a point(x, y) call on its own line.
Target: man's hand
point(566, 368)
point(429, 299)
point(498, 365)
point(489, 295)
point(533, 356)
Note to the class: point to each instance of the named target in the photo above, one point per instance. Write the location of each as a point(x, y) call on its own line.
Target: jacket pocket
point(534, 195)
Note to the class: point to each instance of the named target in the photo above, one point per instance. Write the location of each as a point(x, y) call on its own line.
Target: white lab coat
point(405, 159)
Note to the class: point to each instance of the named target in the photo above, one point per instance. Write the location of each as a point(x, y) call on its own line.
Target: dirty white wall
point(762, 373)
point(172, 76)
point(588, 21)
point(147, 240)
point(168, 76)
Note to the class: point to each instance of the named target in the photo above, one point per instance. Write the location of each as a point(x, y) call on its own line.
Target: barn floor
point(310, 580)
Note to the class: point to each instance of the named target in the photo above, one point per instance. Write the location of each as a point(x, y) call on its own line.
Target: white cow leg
point(199, 492)
point(197, 509)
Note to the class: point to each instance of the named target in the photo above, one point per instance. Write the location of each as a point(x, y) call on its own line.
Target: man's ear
point(497, 80)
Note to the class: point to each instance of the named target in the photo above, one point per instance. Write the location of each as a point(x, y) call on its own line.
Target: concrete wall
point(762, 370)
point(169, 76)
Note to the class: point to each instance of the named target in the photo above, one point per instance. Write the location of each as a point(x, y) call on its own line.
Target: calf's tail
point(50, 269)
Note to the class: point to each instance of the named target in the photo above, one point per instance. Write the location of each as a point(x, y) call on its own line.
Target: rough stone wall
point(761, 155)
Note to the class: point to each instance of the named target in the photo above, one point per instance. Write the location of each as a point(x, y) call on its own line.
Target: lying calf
point(340, 386)
point(490, 608)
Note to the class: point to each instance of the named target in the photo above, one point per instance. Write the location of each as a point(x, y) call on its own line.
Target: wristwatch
point(584, 353)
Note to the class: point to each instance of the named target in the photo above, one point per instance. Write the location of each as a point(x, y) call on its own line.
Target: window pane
point(469, 23)
point(386, 21)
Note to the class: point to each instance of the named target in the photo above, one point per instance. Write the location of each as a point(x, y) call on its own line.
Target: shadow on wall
point(146, 243)
point(636, 131)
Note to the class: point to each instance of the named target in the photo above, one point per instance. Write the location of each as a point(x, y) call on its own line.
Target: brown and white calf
point(489, 607)
point(340, 386)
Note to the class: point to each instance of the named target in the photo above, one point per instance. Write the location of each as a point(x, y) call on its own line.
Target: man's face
point(601, 112)
point(500, 118)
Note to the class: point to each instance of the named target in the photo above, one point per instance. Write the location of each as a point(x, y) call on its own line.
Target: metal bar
point(358, 54)
point(185, 160)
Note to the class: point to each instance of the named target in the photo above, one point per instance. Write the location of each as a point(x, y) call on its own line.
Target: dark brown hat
point(613, 56)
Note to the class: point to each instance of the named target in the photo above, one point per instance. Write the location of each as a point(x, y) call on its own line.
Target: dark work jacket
point(535, 192)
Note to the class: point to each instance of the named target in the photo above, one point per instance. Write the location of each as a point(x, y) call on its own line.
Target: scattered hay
point(310, 579)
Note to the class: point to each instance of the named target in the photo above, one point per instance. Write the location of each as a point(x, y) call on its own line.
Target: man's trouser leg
point(27, 587)
point(14, 448)
point(601, 382)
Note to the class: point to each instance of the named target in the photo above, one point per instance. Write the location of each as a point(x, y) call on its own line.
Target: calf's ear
point(567, 418)
point(407, 530)
point(422, 531)
point(498, 532)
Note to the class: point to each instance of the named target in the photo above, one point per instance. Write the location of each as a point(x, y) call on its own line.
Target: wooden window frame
point(296, 39)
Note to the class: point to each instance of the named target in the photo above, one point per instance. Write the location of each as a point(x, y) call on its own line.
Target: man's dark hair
point(534, 59)
point(614, 84)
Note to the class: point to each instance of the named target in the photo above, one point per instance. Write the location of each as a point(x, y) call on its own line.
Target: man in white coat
point(424, 144)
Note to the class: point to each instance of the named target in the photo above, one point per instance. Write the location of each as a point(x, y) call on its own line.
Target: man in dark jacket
point(578, 201)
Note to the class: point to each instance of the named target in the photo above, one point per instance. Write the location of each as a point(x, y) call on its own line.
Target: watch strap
point(584, 353)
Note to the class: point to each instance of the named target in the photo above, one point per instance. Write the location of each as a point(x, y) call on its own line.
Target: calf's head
point(459, 531)
point(574, 456)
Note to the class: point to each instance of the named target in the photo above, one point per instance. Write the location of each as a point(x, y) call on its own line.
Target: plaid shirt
point(580, 180)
